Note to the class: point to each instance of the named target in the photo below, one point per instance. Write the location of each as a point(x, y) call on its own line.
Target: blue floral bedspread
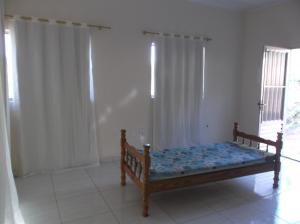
point(170, 163)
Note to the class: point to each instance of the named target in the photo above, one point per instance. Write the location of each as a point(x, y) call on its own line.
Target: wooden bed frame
point(137, 166)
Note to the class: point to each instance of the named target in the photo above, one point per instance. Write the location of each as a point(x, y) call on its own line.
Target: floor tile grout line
point(170, 217)
point(90, 179)
point(99, 192)
point(213, 211)
point(257, 211)
point(207, 215)
point(56, 200)
point(283, 191)
point(285, 221)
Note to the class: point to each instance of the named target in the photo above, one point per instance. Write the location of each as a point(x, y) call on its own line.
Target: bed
point(155, 171)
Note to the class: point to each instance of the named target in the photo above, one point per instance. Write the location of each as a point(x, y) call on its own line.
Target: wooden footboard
point(254, 140)
point(136, 164)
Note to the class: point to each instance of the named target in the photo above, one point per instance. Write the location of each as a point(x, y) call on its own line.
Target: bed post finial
point(235, 131)
point(122, 161)
point(277, 159)
point(146, 180)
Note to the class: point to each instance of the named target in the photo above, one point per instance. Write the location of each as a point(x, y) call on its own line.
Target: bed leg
point(145, 204)
point(146, 180)
point(277, 160)
point(123, 176)
point(122, 160)
point(276, 178)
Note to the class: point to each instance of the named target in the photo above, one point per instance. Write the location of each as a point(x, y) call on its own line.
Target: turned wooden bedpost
point(146, 180)
point(235, 131)
point(277, 159)
point(122, 160)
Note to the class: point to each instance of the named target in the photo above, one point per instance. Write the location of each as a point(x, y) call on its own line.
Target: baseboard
point(110, 159)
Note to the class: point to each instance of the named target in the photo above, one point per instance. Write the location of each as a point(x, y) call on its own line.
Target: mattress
point(178, 162)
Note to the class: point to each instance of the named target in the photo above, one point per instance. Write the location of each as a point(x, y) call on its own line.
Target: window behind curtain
point(153, 61)
point(9, 65)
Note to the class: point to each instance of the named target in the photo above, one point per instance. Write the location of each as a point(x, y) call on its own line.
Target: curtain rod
point(62, 22)
point(177, 35)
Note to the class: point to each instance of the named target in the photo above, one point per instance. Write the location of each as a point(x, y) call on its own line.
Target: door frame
point(262, 76)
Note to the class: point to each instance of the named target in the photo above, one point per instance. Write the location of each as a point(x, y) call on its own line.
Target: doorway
point(291, 129)
point(279, 103)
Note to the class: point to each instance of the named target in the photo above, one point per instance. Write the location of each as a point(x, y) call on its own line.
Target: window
point(91, 75)
point(153, 63)
point(9, 65)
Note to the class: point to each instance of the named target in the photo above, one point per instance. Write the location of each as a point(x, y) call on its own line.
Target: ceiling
point(238, 4)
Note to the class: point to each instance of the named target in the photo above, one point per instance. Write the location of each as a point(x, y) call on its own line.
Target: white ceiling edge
point(265, 6)
point(239, 5)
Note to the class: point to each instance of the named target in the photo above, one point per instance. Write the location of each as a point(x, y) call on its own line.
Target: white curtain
point(9, 205)
point(179, 92)
point(54, 113)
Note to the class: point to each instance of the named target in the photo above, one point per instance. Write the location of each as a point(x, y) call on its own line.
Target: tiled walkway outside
point(291, 138)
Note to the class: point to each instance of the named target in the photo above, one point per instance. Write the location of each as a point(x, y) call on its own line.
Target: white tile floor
point(94, 196)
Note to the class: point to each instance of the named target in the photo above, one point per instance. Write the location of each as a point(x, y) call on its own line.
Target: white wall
point(275, 26)
point(121, 62)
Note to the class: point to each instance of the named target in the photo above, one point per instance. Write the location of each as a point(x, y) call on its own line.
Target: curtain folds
point(53, 117)
point(9, 205)
point(179, 92)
